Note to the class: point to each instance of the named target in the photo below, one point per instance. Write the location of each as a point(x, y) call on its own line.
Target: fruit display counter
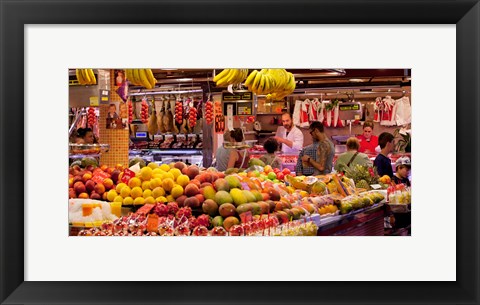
point(180, 200)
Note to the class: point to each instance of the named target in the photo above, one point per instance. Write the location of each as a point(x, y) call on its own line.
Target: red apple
point(99, 188)
point(86, 177)
point(77, 179)
point(90, 186)
point(79, 187)
point(114, 175)
point(96, 196)
point(83, 195)
point(280, 176)
point(286, 171)
point(108, 183)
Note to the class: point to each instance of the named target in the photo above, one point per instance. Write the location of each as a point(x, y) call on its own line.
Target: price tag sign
point(246, 217)
point(245, 186)
point(104, 96)
point(94, 101)
point(99, 176)
point(127, 175)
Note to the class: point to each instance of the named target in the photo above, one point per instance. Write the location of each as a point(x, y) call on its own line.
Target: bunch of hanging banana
point(230, 76)
point(275, 83)
point(86, 76)
point(141, 77)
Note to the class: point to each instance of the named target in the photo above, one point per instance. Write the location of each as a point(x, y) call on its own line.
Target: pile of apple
point(273, 174)
point(81, 182)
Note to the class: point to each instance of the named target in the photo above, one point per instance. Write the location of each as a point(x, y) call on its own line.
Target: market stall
point(150, 174)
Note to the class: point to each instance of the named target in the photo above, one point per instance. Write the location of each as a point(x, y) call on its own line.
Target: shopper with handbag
point(352, 156)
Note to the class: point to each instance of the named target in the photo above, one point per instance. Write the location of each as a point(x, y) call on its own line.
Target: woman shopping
point(238, 157)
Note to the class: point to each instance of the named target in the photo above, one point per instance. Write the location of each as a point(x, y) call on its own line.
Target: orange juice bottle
point(116, 208)
point(87, 209)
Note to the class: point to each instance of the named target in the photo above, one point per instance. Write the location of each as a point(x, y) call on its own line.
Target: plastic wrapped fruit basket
point(88, 149)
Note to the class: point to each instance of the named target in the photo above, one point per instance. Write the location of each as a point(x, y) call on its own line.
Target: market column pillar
point(117, 138)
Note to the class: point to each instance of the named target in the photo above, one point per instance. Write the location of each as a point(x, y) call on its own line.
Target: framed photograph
point(247, 271)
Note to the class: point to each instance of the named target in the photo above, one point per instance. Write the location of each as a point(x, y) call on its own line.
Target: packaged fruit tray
point(88, 149)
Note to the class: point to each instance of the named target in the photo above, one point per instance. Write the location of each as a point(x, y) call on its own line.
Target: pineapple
point(363, 185)
point(359, 173)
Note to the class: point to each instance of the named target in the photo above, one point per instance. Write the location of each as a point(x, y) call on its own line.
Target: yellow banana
point(261, 86)
point(232, 76)
point(151, 78)
point(224, 81)
point(92, 76)
point(255, 82)
point(221, 75)
point(143, 79)
point(86, 77)
point(80, 79)
point(136, 77)
point(251, 78)
point(128, 74)
point(245, 74)
point(268, 84)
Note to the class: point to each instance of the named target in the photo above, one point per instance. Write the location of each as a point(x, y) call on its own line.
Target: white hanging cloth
point(296, 113)
point(403, 113)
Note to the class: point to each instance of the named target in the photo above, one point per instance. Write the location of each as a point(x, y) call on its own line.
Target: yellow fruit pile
point(385, 179)
point(151, 185)
point(327, 209)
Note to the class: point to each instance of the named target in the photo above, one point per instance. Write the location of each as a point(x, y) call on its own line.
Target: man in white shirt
point(290, 136)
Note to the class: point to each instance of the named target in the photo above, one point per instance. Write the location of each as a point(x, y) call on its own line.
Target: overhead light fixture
point(356, 80)
point(185, 79)
point(169, 69)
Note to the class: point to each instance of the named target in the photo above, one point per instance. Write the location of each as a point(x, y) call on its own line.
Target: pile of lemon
point(154, 183)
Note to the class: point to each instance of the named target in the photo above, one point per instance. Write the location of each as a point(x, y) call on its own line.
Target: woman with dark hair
point(368, 142)
point(238, 157)
point(223, 154)
point(271, 145)
point(85, 136)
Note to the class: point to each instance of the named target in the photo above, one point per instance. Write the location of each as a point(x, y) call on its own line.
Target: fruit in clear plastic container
point(200, 231)
point(182, 230)
point(165, 230)
point(236, 230)
point(219, 231)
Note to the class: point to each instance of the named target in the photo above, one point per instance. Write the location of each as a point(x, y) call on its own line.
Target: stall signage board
point(246, 217)
point(94, 101)
point(237, 96)
point(350, 111)
point(104, 96)
point(242, 102)
point(244, 108)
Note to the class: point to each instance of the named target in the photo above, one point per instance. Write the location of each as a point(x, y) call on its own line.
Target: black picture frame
point(16, 14)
